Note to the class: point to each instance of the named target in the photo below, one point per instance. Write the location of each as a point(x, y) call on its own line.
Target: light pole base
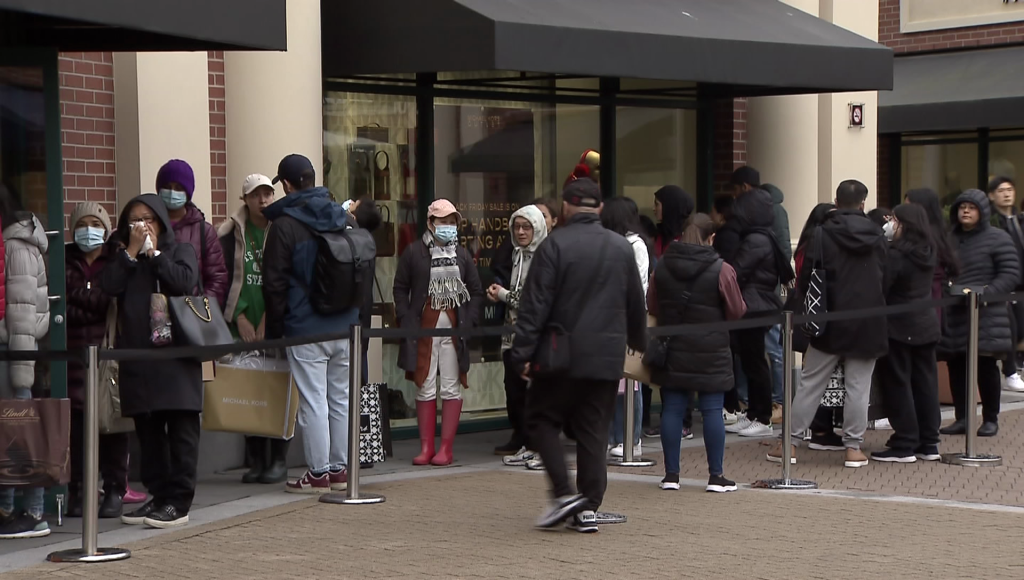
point(637, 462)
point(603, 518)
point(979, 460)
point(784, 484)
point(79, 555)
point(342, 498)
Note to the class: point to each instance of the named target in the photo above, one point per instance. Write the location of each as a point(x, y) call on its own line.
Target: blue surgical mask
point(173, 199)
point(88, 239)
point(446, 234)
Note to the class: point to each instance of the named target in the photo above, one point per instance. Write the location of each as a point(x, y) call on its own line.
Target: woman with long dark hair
point(948, 265)
point(908, 376)
point(672, 207)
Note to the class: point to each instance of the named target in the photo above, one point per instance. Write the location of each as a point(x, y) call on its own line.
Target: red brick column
point(218, 139)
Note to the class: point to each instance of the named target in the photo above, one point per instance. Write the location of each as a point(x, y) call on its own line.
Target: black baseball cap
point(746, 175)
point(583, 192)
point(292, 168)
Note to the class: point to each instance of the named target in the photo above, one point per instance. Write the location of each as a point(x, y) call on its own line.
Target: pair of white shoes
point(744, 427)
point(618, 451)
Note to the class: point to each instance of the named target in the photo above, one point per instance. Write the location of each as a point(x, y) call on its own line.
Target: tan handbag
point(634, 368)
point(109, 395)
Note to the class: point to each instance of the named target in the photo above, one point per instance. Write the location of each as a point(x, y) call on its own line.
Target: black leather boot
point(113, 501)
point(277, 466)
point(74, 505)
point(255, 458)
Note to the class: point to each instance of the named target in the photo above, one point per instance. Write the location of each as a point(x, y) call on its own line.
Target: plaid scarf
point(446, 289)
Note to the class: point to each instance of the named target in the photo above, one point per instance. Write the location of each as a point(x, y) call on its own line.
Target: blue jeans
point(673, 406)
point(773, 348)
point(615, 433)
point(33, 496)
point(321, 376)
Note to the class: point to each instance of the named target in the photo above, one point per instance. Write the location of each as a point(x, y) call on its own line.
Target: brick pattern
point(730, 140)
point(87, 130)
point(218, 139)
point(936, 40)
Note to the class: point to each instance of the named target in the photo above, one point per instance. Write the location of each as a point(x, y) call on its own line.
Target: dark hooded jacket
point(289, 254)
point(853, 255)
point(781, 224)
point(195, 230)
point(909, 271)
point(988, 264)
point(759, 261)
point(87, 306)
point(158, 385)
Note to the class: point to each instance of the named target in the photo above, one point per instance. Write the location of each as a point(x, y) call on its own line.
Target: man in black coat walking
point(583, 280)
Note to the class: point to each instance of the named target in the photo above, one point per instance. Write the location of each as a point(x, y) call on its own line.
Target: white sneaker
point(730, 418)
point(520, 458)
point(1014, 383)
point(756, 429)
point(535, 464)
point(617, 451)
point(742, 423)
point(880, 425)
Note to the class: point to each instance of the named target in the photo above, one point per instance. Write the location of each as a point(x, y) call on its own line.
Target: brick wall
point(948, 39)
point(730, 140)
point(87, 130)
point(218, 139)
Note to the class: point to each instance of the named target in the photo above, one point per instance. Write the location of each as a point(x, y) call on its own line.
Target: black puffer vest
point(699, 360)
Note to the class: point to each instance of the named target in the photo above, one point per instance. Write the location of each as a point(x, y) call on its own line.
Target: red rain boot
point(426, 418)
point(450, 411)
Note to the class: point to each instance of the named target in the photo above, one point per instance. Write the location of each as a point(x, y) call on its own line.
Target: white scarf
point(446, 289)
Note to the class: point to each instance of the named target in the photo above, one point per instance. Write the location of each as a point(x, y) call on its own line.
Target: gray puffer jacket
point(27, 317)
point(988, 264)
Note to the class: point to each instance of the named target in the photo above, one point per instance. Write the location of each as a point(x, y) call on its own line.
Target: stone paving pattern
point(479, 525)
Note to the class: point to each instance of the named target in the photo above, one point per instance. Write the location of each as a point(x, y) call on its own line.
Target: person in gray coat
point(989, 264)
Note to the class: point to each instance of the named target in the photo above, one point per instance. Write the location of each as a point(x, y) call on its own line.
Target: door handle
point(53, 233)
point(54, 298)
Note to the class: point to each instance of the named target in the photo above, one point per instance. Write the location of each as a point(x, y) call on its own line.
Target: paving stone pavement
point(478, 525)
point(745, 462)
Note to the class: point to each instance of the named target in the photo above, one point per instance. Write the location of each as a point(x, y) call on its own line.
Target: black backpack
point(342, 270)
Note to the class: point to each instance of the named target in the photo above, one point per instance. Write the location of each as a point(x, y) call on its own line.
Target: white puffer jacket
point(28, 310)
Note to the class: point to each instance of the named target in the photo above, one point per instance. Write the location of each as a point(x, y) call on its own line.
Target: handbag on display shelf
point(359, 170)
point(386, 310)
point(381, 176)
point(407, 230)
point(109, 395)
point(35, 442)
point(373, 132)
point(384, 236)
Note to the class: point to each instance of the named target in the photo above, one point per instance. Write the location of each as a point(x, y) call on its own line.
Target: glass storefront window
point(948, 168)
point(655, 147)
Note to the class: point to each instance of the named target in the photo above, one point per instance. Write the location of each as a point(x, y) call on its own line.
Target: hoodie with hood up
point(27, 316)
point(759, 260)
point(521, 259)
point(781, 225)
point(853, 255)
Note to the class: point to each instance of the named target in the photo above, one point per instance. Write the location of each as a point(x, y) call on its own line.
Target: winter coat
point(27, 312)
point(231, 234)
point(988, 264)
point(289, 254)
point(643, 259)
point(3, 282)
point(698, 360)
point(908, 278)
point(87, 306)
point(854, 257)
point(759, 257)
point(727, 240)
point(781, 223)
point(521, 260)
point(190, 230)
point(151, 385)
point(411, 296)
point(501, 263)
point(599, 302)
point(1016, 234)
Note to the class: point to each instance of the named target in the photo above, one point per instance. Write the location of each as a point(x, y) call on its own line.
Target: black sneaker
point(894, 456)
point(584, 522)
point(166, 517)
point(136, 517)
point(561, 509)
point(22, 524)
point(507, 449)
point(958, 427)
point(719, 484)
point(671, 481)
point(112, 504)
point(826, 442)
point(928, 453)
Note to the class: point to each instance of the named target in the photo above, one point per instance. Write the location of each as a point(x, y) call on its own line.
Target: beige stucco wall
point(162, 109)
point(922, 15)
point(274, 103)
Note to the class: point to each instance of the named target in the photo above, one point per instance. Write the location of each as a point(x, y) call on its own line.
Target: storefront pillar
point(274, 103)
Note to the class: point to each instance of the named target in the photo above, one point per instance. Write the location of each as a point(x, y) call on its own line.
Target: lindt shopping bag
point(35, 443)
point(252, 395)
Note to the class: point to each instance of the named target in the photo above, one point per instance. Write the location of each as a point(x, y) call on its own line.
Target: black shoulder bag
point(815, 300)
point(656, 355)
point(199, 320)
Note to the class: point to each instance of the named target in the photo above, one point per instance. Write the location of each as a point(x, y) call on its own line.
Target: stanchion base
point(602, 518)
point(784, 484)
point(342, 498)
point(979, 460)
point(79, 555)
point(637, 462)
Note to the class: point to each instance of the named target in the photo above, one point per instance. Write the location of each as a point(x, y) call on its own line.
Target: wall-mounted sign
point(856, 115)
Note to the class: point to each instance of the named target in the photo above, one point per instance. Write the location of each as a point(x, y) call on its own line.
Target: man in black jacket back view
point(584, 280)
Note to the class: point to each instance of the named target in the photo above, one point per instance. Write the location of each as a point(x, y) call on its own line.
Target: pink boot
point(450, 411)
point(132, 496)
point(426, 418)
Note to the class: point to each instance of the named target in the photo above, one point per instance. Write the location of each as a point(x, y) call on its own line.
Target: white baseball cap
point(253, 181)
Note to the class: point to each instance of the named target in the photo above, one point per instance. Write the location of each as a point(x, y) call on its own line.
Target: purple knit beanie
point(177, 171)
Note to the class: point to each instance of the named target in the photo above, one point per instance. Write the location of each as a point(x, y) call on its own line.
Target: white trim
point(907, 26)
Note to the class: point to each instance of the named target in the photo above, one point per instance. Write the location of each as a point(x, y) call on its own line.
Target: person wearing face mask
point(87, 306)
point(437, 286)
point(175, 182)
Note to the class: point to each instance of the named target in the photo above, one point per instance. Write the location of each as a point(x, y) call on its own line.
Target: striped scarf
point(446, 289)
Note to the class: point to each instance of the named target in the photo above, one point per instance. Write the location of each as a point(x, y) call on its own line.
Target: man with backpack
point(314, 273)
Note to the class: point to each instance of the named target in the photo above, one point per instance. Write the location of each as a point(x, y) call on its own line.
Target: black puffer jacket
point(989, 264)
point(756, 260)
point(698, 361)
point(853, 254)
point(908, 276)
point(600, 302)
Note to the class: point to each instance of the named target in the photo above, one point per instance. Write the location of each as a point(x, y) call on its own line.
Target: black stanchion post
point(970, 458)
point(628, 426)
point(355, 373)
point(89, 551)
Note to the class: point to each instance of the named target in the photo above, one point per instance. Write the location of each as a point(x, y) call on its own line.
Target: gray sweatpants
point(818, 367)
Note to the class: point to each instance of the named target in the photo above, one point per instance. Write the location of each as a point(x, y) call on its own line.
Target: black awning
point(144, 25)
point(955, 91)
point(765, 45)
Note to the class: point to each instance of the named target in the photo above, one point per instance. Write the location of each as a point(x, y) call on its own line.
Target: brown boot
point(775, 455)
point(855, 458)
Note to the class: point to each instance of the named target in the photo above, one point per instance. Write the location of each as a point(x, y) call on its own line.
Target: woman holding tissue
point(164, 397)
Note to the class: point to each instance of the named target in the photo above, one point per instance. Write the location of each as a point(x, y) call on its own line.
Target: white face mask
point(889, 229)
